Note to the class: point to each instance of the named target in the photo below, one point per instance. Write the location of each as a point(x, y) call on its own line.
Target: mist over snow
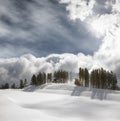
point(90, 29)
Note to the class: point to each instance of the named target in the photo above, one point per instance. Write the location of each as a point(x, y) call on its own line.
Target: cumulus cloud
point(79, 8)
point(14, 69)
point(103, 17)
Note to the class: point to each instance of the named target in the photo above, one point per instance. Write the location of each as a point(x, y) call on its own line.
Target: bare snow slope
point(59, 103)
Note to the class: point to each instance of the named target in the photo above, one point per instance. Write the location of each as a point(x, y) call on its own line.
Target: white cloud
point(14, 69)
point(79, 8)
point(103, 18)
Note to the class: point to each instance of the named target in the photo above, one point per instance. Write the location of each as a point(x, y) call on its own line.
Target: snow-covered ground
point(59, 102)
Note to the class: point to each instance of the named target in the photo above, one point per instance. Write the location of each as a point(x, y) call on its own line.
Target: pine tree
point(33, 80)
point(61, 76)
point(38, 79)
point(44, 78)
point(13, 86)
point(77, 82)
point(86, 78)
point(21, 84)
point(49, 77)
point(114, 82)
point(5, 86)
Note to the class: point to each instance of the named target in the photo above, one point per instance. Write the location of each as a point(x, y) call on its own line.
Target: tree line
point(41, 78)
point(22, 84)
point(57, 77)
point(98, 78)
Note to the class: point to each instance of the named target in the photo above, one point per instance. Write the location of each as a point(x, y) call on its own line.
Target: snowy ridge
point(71, 89)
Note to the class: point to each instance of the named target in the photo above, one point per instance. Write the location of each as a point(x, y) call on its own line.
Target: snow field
point(59, 103)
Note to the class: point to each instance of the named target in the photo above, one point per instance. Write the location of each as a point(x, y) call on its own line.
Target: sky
point(41, 28)
point(37, 35)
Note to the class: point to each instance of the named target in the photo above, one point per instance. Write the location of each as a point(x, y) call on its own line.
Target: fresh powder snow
point(59, 102)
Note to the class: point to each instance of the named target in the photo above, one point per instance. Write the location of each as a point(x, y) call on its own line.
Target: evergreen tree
point(38, 79)
point(21, 84)
point(49, 77)
point(114, 82)
point(61, 76)
point(86, 78)
point(44, 78)
point(13, 86)
point(33, 80)
point(77, 82)
point(5, 86)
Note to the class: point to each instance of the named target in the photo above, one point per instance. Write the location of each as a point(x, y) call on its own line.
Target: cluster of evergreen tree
point(21, 85)
point(4, 86)
point(98, 78)
point(57, 77)
point(38, 79)
point(101, 78)
point(84, 76)
point(41, 78)
point(49, 77)
point(61, 76)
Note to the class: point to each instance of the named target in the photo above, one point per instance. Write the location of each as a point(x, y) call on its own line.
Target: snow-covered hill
point(71, 89)
point(59, 102)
